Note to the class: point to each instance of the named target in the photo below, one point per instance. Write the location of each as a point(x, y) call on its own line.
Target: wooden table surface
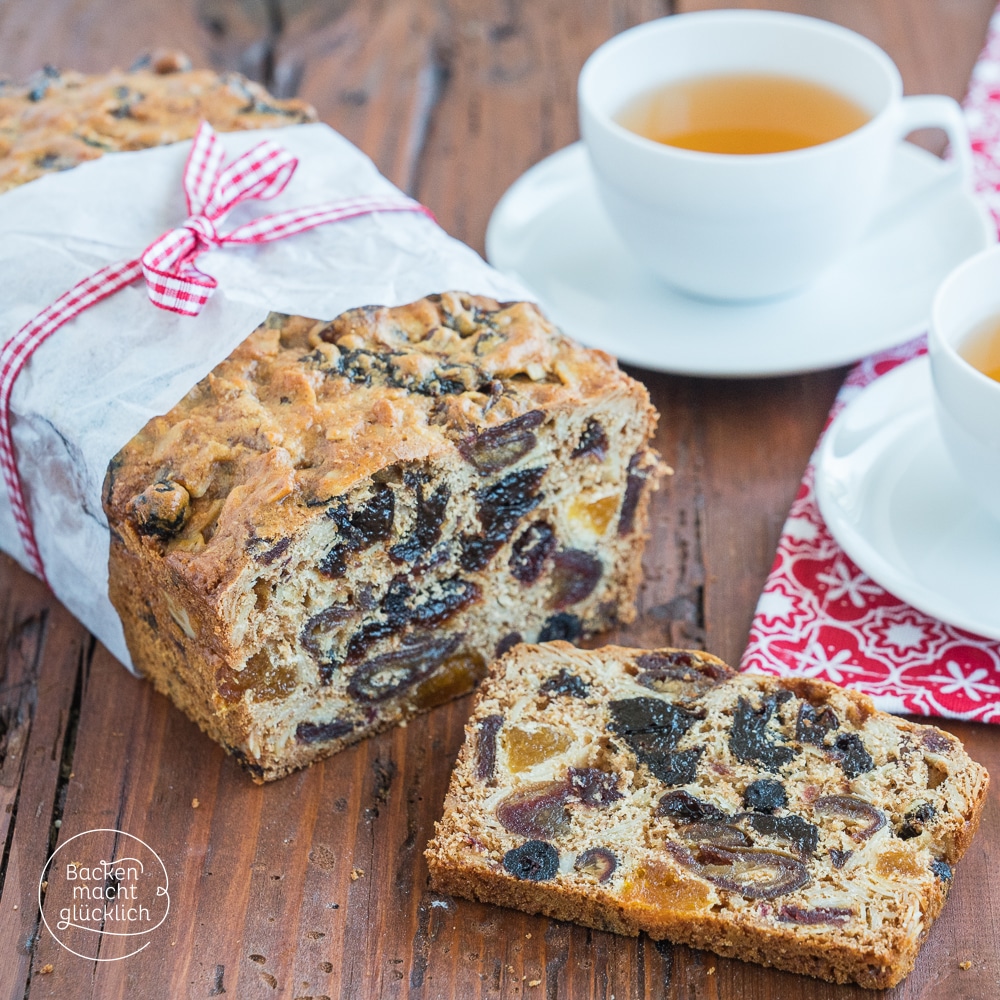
point(453, 100)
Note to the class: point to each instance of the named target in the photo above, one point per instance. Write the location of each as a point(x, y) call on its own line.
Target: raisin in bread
point(58, 120)
point(346, 521)
point(784, 822)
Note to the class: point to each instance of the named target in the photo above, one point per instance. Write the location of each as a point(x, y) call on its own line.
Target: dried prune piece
point(328, 620)
point(812, 726)
point(866, 818)
point(634, 482)
point(683, 806)
point(593, 441)
point(160, 510)
point(334, 563)
point(672, 767)
point(370, 522)
point(565, 683)
point(915, 820)
point(679, 672)
point(942, 870)
point(536, 811)
point(451, 597)
point(764, 795)
point(839, 858)
point(593, 786)
point(429, 517)
point(397, 612)
point(563, 625)
point(598, 862)
point(500, 508)
point(530, 550)
point(751, 742)
point(322, 732)
point(383, 676)
point(649, 715)
point(817, 915)
point(575, 574)
point(509, 641)
point(534, 861)
point(850, 753)
point(749, 871)
point(497, 447)
point(486, 747)
point(794, 830)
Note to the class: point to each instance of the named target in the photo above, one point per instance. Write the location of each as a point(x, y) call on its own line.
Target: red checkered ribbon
point(174, 283)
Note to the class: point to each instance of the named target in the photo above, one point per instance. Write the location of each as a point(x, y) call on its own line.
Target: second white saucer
point(892, 500)
point(551, 232)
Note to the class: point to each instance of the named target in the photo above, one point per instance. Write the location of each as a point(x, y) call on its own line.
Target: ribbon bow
point(174, 283)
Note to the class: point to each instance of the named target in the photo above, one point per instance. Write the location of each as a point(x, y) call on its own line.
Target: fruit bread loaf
point(346, 521)
point(58, 120)
point(784, 822)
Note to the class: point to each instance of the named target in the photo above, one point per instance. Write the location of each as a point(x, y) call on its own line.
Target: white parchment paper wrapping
point(99, 379)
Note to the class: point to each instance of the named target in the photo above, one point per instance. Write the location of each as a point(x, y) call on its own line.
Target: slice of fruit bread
point(781, 821)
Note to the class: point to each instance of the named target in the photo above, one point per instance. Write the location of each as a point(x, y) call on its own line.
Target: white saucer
point(550, 231)
point(892, 500)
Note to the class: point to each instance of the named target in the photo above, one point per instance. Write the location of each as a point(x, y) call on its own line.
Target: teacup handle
point(938, 111)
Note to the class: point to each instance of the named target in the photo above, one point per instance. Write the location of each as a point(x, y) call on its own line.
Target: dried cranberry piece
point(854, 810)
point(497, 447)
point(593, 786)
point(818, 915)
point(509, 641)
point(850, 753)
point(501, 506)
point(593, 441)
point(426, 530)
point(764, 795)
point(793, 830)
point(385, 675)
point(634, 483)
point(839, 858)
point(812, 726)
point(565, 683)
point(530, 550)
point(575, 574)
point(598, 862)
point(915, 820)
point(536, 811)
point(681, 805)
point(563, 626)
point(486, 747)
point(322, 732)
point(749, 871)
point(534, 861)
point(750, 740)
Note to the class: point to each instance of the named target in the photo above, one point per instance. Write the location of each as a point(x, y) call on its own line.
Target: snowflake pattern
point(819, 615)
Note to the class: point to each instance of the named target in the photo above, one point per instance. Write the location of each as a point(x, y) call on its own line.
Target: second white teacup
point(744, 227)
point(967, 400)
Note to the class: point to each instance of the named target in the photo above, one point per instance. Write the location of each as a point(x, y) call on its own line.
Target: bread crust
point(868, 812)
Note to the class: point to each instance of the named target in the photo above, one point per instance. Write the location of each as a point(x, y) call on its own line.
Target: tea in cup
point(740, 153)
point(964, 347)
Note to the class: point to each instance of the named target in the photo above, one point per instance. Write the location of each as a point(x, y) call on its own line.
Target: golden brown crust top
point(305, 410)
point(59, 120)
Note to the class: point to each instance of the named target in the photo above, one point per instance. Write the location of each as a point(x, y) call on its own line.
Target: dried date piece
point(529, 552)
point(634, 483)
point(498, 447)
point(501, 507)
point(486, 748)
point(749, 871)
point(679, 672)
point(534, 861)
point(752, 742)
point(717, 832)
point(593, 441)
point(865, 817)
point(429, 516)
point(536, 811)
point(575, 574)
point(385, 675)
point(323, 732)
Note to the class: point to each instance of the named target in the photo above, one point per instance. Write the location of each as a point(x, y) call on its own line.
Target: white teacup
point(744, 227)
point(967, 402)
